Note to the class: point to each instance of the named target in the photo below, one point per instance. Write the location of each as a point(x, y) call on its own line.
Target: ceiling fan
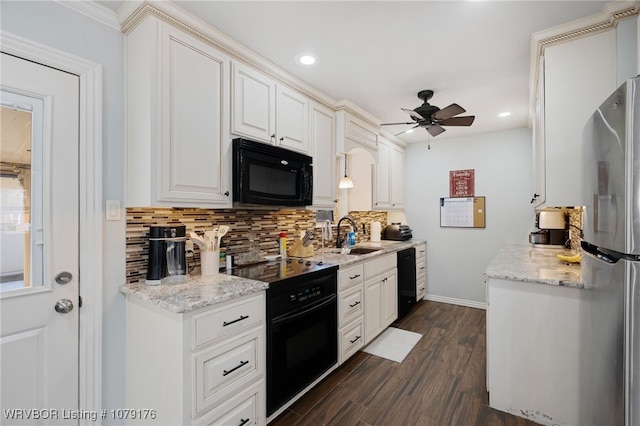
point(433, 118)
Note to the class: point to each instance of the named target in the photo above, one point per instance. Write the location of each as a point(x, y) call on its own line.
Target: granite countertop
point(384, 247)
point(196, 293)
point(199, 292)
point(523, 262)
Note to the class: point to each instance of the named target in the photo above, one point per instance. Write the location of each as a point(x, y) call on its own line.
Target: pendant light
point(345, 182)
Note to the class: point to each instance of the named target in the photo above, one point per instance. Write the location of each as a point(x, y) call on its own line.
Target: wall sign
point(462, 183)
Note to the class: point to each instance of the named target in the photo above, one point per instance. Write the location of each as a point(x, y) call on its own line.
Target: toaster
point(396, 232)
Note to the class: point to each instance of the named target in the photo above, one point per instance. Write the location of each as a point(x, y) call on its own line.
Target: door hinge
point(79, 301)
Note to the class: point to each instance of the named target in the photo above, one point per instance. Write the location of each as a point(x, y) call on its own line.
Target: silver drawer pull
point(422, 267)
point(242, 364)
point(244, 422)
point(242, 317)
point(354, 277)
point(355, 304)
point(355, 340)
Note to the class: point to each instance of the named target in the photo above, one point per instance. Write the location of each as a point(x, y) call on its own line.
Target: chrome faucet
point(353, 223)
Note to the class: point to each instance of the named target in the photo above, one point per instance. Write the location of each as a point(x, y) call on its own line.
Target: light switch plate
point(114, 210)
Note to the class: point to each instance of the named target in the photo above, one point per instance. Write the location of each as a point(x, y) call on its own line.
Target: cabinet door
point(372, 312)
point(579, 75)
point(382, 191)
point(194, 104)
point(254, 104)
point(292, 119)
point(389, 299)
point(323, 144)
point(396, 177)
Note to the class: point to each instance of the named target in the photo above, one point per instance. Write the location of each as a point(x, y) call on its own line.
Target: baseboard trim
point(454, 301)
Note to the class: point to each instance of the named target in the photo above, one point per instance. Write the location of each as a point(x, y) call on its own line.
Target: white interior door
point(39, 291)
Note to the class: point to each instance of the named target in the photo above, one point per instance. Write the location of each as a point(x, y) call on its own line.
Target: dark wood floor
point(441, 382)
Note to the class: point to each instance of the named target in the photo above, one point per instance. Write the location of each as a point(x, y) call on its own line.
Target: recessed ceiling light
point(504, 114)
point(409, 131)
point(306, 59)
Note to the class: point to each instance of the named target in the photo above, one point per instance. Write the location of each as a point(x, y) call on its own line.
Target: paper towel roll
point(376, 230)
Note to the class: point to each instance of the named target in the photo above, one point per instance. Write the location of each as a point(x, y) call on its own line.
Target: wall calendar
point(462, 212)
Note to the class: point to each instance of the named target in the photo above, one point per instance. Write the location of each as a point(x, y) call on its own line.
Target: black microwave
point(269, 175)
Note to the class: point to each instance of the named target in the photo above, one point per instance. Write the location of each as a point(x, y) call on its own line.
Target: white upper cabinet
point(578, 76)
point(574, 68)
point(354, 132)
point(177, 119)
point(397, 177)
point(254, 104)
point(389, 185)
point(267, 111)
point(323, 142)
point(292, 119)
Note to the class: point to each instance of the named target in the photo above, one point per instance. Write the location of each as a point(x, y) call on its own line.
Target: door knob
point(64, 306)
point(64, 277)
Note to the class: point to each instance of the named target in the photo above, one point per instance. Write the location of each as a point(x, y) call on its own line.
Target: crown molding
point(611, 14)
point(94, 11)
point(132, 13)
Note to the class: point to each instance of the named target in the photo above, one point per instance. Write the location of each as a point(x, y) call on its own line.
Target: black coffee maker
point(167, 255)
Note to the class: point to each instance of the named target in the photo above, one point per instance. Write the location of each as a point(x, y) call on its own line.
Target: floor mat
point(394, 344)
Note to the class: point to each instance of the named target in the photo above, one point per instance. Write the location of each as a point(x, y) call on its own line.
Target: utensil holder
point(209, 263)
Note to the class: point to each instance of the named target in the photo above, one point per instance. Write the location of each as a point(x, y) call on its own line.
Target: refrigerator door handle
point(609, 256)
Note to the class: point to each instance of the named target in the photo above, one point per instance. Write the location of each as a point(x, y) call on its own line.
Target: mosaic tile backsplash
point(249, 229)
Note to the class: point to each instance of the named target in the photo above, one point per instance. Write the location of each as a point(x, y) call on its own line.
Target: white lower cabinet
point(380, 295)
point(421, 271)
point(202, 367)
point(350, 311)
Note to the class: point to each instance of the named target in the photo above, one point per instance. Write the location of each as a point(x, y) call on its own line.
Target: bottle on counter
point(283, 244)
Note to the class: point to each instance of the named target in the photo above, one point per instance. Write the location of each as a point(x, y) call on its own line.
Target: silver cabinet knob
point(64, 306)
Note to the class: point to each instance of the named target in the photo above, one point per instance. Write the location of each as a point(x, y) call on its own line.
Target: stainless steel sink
point(363, 250)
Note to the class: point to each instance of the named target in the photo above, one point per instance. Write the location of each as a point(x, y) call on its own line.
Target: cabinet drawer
point(227, 368)
point(243, 409)
point(350, 276)
point(351, 305)
point(219, 323)
point(421, 288)
point(380, 265)
point(421, 268)
point(351, 340)
point(421, 251)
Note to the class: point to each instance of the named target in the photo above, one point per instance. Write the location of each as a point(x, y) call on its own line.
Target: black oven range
point(302, 324)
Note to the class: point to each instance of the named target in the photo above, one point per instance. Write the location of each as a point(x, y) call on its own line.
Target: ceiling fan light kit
point(433, 118)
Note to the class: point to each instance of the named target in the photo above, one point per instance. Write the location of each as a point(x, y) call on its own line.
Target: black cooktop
point(279, 270)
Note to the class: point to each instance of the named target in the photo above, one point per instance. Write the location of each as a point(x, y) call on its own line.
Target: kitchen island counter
point(198, 292)
point(523, 262)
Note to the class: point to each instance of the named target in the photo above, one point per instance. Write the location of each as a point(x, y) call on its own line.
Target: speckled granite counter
point(200, 292)
point(196, 293)
point(520, 262)
point(347, 259)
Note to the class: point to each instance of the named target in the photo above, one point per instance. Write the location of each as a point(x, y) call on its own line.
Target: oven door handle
point(305, 311)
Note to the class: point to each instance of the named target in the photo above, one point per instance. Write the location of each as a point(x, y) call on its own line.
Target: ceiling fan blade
point(395, 124)
point(404, 131)
point(413, 114)
point(458, 121)
point(435, 129)
point(448, 112)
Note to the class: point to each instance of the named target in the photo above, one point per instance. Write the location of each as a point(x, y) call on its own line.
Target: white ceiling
point(379, 54)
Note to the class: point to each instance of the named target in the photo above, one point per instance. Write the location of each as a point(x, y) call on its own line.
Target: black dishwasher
point(406, 281)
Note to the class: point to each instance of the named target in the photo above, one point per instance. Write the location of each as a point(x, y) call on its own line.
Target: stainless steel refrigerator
point(609, 322)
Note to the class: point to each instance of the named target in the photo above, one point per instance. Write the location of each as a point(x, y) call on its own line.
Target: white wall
point(457, 257)
point(54, 25)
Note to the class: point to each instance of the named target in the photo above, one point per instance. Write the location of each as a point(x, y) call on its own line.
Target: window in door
point(21, 191)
